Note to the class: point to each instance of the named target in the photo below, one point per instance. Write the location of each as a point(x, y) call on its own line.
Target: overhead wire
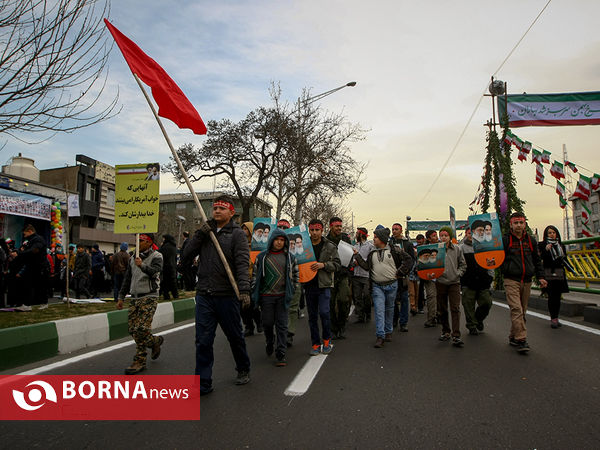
point(460, 137)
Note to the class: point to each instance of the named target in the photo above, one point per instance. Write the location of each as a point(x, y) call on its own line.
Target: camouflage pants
point(139, 318)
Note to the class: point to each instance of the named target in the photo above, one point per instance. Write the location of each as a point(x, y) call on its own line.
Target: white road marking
point(305, 377)
point(74, 359)
point(564, 322)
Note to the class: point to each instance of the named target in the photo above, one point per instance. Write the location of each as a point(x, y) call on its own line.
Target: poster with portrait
point(262, 227)
point(137, 188)
point(430, 260)
point(487, 240)
point(301, 247)
point(453, 223)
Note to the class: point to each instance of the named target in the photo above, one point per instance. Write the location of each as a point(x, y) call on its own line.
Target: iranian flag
point(557, 170)
point(585, 213)
point(518, 142)
point(595, 182)
point(522, 156)
point(539, 174)
point(560, 189)
point(526, 147)
point(536, 157)
point(562, 202)
point(509, 137)
point(586, 233)
point(583, 188)
point(546, 157)
point(571, 166)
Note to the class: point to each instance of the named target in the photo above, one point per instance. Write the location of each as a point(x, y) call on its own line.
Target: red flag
point(172, 102)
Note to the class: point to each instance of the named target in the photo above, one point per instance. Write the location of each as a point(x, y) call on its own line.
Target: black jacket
point(476, 277)
point(169, 252)
point(212, 277)
point(522, 260)
point(33, 255)
point(549, 263)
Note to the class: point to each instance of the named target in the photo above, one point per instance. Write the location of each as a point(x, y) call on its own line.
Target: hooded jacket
point(291, 269)
point(212, 277)
point(475, 277)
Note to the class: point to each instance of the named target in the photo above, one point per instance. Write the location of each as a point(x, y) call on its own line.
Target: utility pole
point(567, 192)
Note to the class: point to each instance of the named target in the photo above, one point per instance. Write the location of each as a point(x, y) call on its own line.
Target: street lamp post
point(309, 101)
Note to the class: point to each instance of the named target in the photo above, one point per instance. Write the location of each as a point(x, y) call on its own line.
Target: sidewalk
point(30, 343)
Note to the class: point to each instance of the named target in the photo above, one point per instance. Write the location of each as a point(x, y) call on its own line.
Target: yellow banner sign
point(137, 188)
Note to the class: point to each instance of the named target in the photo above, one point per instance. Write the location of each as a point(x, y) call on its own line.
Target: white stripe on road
point(74, 359)
point(564, 322)
point(305, 377)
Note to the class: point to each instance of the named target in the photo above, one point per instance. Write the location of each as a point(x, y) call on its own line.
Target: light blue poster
point(260, 233)
point(300, 244)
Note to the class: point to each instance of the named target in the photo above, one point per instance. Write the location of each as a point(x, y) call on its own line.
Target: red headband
point(518, 218)
point(145, 237)
point(315, 226)
point(224, 204)
point(283, 222)
point(362, 232)
point(337, 222)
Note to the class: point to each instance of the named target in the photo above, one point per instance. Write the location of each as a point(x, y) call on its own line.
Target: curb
point(30, 343)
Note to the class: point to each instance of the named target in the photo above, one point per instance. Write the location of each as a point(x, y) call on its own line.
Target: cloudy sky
point(421, 69)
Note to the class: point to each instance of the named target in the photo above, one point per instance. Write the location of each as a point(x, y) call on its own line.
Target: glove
point(244, 299)
point(205, 228)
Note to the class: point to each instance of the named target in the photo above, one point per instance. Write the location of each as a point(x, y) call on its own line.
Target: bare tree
point(244, 152)
point(315, 157)
point(323, 206)
point(53, 65)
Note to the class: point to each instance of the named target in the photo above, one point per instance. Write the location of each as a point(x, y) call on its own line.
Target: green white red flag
point(557, 170)
point(562, 202)
point(546, 157)
point(539, 174)
point(536, 157)
point(560, 189)
point(571, 166)
point(582, 190)
point(595, 184)
point(585, 213)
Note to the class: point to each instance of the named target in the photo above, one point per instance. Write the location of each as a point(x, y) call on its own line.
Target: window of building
point(110, 198)
point(596, 226)
point(578, 222)
point(180, 206)
point(90, 192)
point(595, 208)
point(576, 205)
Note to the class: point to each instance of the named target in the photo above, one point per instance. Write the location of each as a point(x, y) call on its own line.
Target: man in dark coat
point(32, 256)
point(168, 285)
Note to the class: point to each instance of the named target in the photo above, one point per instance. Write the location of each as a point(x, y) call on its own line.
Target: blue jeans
point(117, 283)
point(384, 298)
point(317, 304)
point(225, 311)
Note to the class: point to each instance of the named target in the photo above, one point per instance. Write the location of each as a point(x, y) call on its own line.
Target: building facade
point(593, 204)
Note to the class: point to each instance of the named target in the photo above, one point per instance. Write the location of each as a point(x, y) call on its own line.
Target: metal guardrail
point(586, 262)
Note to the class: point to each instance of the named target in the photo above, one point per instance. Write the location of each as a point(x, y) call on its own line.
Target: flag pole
point(189, 185)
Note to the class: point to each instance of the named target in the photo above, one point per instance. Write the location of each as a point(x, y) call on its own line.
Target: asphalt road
point(416, 392)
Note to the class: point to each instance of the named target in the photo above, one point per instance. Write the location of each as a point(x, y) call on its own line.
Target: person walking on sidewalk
point(448, 288)
point(276, 276)
point(142, 280)
point(318, 290)
point(82, 269)
point(554, 256)
point(385, 265)
point(475, 284)
point(521, 263)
